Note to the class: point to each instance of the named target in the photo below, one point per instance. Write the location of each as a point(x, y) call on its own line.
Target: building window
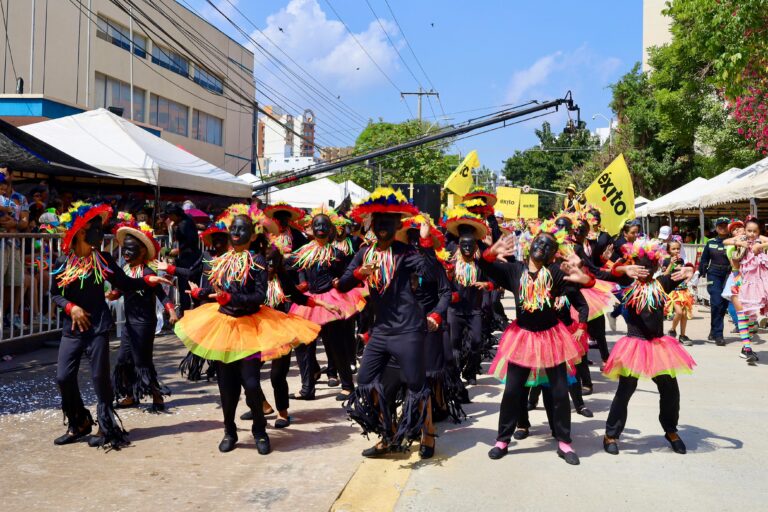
point(111, 92)
point(119, 35)
point(207, 128)
point(208, 80)
point(170, 60)
point(168, 115)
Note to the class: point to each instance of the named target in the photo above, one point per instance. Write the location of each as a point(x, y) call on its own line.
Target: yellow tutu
point(268, 333)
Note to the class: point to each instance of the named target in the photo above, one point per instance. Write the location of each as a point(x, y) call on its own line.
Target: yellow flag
point(613, 195)
point(529, 206)
point(508, 201)
point(460, 181)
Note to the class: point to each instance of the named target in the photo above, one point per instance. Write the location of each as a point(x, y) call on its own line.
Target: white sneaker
point(17, 323)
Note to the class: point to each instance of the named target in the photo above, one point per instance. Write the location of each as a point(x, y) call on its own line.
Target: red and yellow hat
point(460, 216)
point(296, 213)
point(385, 200)
point(76, 218)
point(218, 226)
point(490, 199)
point(142, 232)
point(415, 222)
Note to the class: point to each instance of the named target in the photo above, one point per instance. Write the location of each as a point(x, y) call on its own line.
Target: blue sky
point(477, 54)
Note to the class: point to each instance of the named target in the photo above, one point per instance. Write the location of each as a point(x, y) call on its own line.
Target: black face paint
point(94, 233)
point(385, 226)
point(282, 219)
point(241, 231)
point(467, 245)
point(219, 243)
point(413, 236)
point(132, 250)
point(321, 227)
point(564, 223)
point(581, 232)
point(543, 249)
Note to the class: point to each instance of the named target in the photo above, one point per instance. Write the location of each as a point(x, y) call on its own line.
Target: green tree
point(555, 162)
point(429, 163)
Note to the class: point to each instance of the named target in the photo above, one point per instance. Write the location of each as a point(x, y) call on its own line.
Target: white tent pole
point(702, 226)
point(753, 207)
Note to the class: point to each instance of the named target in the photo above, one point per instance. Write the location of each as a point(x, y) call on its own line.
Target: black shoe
point(439, 415)
point(343, 396)
point(570, 457)
point(74, 434)
point(155, 408)
point(471, 381)
point(228, 443)
point(333, 382)
point(247, 415)
point(584, 411)
point(748, 354)
point(520, 434)
point(496, 453)
point(712, 338)
point(375, 451)
point(672, 333)
point(611, 446)
point(426, 452)
point(586, 390)
point(678, 446)
point(719, 341)
point(282, 422)
point(96, 441)
point(464, 397)
point(302, 396)
point(532, 405)
point(262, 443)
point(685, 340)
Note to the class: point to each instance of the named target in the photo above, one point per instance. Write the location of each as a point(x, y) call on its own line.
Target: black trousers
point(457, 322)
point(335, 343)
point(669, 404)
point(306, 357)
point(596, 331)
point(134, 374)
point(407, 349)
point(515, 395)
point(350, 340)
point(278, 375)
point(71, 350)
point(231, 377)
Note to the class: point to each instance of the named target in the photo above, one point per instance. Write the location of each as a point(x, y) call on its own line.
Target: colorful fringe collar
point(645, 296)
point(231, 267)
point(345, 246)
point(382, 276)
point(466, 271)
point(81, 268)
point(536, 294)
point(312, 254)
point(275, 293)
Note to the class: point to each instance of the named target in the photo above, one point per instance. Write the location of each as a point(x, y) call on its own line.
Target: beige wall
point(655, 27)
point(61, 70)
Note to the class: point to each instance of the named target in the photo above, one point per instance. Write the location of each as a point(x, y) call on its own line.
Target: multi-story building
point(655, 27)
point(277, 134)
point(329, 154)
point(165, 67)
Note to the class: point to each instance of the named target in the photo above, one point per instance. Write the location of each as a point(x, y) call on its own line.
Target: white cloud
point(325, 49)
point(553, 70)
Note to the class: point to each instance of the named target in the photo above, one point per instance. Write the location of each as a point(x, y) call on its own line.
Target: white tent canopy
point(119, 147)
point(319, 192)
point(662, 205)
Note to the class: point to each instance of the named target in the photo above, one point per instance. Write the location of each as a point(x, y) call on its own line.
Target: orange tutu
point(541, 349)
point(636, 357)
point(349, 304)
point(212, 335)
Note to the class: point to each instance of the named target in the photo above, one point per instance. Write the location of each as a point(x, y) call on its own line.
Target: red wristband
point(454, 297)
point(591, 281)
point(169, 307)
point(302, 287)
point(436, 317)
point(311, 302)
point(489, 256)
point(223, 298)
point(490, 287)
point(614, 270)
point(171, 270)
point(366, 338)
point(196, 293)
point(68, 308)
point(358, 275)
point(146, 280)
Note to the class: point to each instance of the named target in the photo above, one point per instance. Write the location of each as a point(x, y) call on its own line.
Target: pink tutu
point(600, 298)
point(753, 292)
point(584, 338)
point(535, 350)
point(636, 357)
point(349, 303)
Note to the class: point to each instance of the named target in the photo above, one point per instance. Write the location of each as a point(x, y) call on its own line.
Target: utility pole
point(419, 95)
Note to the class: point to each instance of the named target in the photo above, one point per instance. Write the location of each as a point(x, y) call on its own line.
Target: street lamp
point(610, 126)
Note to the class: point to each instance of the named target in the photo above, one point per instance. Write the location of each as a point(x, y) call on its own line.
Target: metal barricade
point(26, 262)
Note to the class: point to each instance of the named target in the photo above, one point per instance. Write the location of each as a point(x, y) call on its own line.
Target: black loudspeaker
point(426, 197)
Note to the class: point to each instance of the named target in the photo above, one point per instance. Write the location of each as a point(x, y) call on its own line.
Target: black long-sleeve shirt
point(247, 296)
point(396, 310)
point(202, 266)
point(714, 258)
point(185, 234)
point(470, 297)
point(649, 323)
point(598, 247)
point(139, 305)
point(508, 276)
point(319, 277)
point(89, 295)
point(432, 289)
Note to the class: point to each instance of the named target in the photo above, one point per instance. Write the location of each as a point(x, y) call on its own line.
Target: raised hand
point(505, 247)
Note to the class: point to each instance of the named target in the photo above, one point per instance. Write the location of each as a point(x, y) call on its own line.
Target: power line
point(7, 42)
point(333, 95)
point(408, 44)
point(368, 54)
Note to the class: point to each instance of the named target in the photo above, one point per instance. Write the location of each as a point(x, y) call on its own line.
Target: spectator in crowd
point(14, 220)
point(187, 250)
